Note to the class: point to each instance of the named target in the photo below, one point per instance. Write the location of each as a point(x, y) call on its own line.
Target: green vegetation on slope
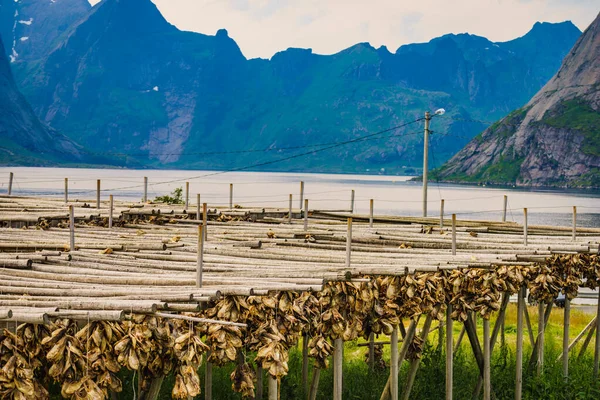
point(577, 115)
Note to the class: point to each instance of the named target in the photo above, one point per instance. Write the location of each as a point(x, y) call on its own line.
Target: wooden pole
point(204, 220)
point(529, 327)
point(301, 194)
point(525, 227)
point(408, 339)
point(453, 234)
point(314, 385)
point(349, 243)
point(187, 195)
point(10, 182)
point(371, 207)
point(504, 208)
point(372, 352)
point(145, 198)
point(449, 350)
point(394, 364)
point(352, 201)
point(231, 196)
point(519, 355)
point(414, 364)
point(98, 184)
point(200, 260)
point(487, 386)
point(305, 215)
point(566, 326)
point(208, 379)
point(66, 190)
point(338, 346)
point(305, 365)
point(597, 351)
point(72, 227)
point(198, 205)
point(425, 162)
point(540, 339)
point(290, 214)
point(259, 382)
point(273, 387)
point(110, 212)
point(574, 223)
point(442, 214)
point(587, 341)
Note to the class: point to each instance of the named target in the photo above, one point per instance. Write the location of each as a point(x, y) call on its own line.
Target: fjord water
point(393, 195)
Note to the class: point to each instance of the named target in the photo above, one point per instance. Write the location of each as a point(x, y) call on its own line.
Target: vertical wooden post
point(425, 162)
point(204, 220)
point(110, 211)
point(504, 208)
point(314, 384)
point(352, 201)
point(187, 195)
point(290, 214)
point(525, 228)
point(349, 243)
point(487, 384)
point(540, 339)
point(338, 361)
point(442, 214)
point(198, 205)
point(372, 352)
point(10, 182)
point(66, 190)
point(72, 227)
point(145, 198)
point(305, 215)
point(231, 196)
point(453, 234)
point(98, 184)
point(574, 223)
point(519, 352)
point(449, 352)
point(301, 194)
point(208, 379)
point(566, 326)
point(200, 259)
point(305, 365)
point(394, 364)
point(259, 382)
point(371, 209)
point(273, 387)
point(597, 351)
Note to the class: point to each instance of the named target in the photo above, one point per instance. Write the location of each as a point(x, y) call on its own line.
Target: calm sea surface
point(392, 195)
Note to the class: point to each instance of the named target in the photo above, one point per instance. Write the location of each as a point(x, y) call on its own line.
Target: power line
point(372, 136)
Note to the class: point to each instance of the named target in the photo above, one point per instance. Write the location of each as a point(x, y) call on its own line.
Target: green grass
point(579, 116)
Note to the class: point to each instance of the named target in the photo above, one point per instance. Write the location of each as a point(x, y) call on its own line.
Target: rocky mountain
point(554, 140)
point(31, 28)
point(25, 140)
point(124, 80)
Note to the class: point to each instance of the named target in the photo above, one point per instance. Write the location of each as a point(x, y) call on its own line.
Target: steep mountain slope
point(30, 28)
point(124, 80)
point(554, 140)
point(24, 139)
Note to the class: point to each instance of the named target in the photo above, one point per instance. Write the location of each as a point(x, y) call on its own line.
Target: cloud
point(264, 27)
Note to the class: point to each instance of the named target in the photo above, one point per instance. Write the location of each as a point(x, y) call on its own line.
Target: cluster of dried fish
point(22, 372)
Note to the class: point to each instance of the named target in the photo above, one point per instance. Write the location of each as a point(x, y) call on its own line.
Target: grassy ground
point(360, 383)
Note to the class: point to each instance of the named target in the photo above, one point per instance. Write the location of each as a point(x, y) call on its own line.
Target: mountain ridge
point(554, 140)
point(176, 92)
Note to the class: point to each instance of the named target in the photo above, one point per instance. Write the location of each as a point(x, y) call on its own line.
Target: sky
point(263, 27)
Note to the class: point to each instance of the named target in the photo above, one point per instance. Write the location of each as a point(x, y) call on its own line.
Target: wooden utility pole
point(425, 161)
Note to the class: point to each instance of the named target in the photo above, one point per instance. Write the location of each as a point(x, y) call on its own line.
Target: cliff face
point(123, 80)
point(554, 140)
point(24, 139)
point(30, 28)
